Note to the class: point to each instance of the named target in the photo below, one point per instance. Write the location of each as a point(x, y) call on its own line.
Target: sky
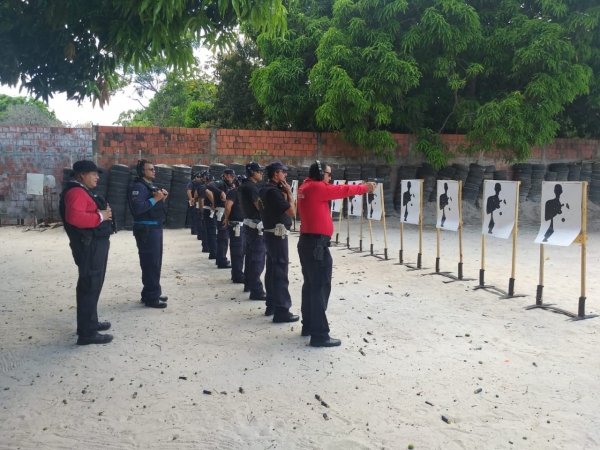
point(69, 111)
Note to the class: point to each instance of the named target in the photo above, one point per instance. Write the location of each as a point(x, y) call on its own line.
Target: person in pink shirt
point(87, 219)
point(313, 248)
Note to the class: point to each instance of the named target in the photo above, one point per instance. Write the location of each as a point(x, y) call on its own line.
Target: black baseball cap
point(196, 175)
point(254, 166)
point(229, 172)
point(86, 166)
point(275, 166)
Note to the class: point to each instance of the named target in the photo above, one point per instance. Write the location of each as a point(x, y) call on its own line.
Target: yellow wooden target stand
point(355, 209)
point(414, 216)
point(515, 232)
point(384, 255)
point(580, 239)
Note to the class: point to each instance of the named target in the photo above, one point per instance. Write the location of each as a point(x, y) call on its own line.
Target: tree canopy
point(76, 46)
point(510, 75)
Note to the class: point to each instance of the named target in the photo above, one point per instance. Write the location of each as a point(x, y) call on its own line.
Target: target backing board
point(561, 213)
point(355, 203)
point(336, 205)
point(374, 206)
point(448, 217)
point(500, 201)
point(411, 201)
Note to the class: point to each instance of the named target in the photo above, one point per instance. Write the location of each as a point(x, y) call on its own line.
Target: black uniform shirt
point(248, 195)
point(202, 191)
point(236, 214)
point(190, 187)
point(216, 188)
point(273, 206)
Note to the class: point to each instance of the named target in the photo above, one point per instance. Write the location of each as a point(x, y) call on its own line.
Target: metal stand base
point(418, 266)
point(550, 307)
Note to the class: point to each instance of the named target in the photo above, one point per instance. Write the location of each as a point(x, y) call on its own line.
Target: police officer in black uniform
point(198, 204)
point(234, 221)
point(147, 205)
point(276, 211)
point(87, 219)
point(209, 242)
point(218, 192)
point(190, 190)
point(254, 242)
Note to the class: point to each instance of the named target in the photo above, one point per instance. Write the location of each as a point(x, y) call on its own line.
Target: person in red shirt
point(313, 248)
point(87, 219)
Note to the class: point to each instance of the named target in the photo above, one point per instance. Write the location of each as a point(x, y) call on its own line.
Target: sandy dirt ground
point(414, 349)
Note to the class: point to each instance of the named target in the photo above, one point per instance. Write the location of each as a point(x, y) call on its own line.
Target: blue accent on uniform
point(152, 201)
point(276, 275)
point(254, 260)
point(147, 222)
point(222, 242)
point(236, 251)
point(210, 224)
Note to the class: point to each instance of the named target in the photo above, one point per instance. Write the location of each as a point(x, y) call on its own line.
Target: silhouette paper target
point(411, 201)
point(336, 205)
point(355, 205)
point(294, 188)
point(561, 213)
point(374, 209)
point(448, 217)
point(500, 201)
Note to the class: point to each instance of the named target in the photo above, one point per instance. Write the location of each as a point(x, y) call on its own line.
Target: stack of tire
point(522, 173)
point(67, 172)
point(445, 173)
point(177, 211)
point(574, 172)
point(116, 196)
point(302, 172)
point(594, 187)
point(500, 175)
point(102, 186)
point(199, 168)
point(562, 171)
point(586, 171)
point(239, 169)
point(351, 173)
point(473, 182)
point(461, 174)
point(164, 174)
point(292, 175)
point(550, 176)
point(384, 172)
point(404, 173)
point(216, 170)
point(487, 175)
point(128, 215)
point(538, 175)
point(429, 175)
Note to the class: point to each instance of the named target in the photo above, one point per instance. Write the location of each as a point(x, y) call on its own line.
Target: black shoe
point(103, 326)
point(237, 282)
point(226, 266)
point(163, 298)
point(269, 311)
point(331, 342)
point(285, 318)
point(258, 296)
point(212, 256)
point(156, 304)
point(94, 339)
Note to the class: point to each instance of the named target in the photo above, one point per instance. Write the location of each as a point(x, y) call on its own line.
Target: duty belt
point(279, 230)
point(254, 225)
point(212, 212)
point(237, 227)
point(220, 211)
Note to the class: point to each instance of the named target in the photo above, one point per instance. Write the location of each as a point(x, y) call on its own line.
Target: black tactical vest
point(102, 231)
